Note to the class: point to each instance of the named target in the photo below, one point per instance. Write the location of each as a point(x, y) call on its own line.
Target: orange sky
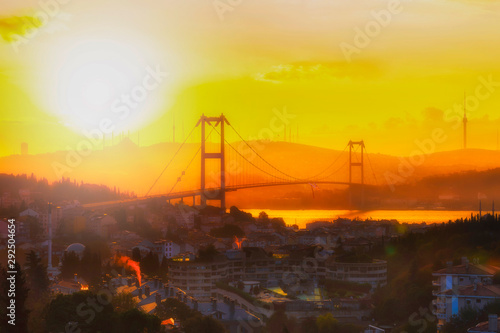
point(60, 79)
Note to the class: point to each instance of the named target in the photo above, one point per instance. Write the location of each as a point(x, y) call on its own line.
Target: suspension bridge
point(248, 168)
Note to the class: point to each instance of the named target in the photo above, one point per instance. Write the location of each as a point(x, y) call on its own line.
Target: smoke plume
point(126, 262)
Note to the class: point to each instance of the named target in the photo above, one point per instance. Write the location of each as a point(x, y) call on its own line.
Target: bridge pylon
point(360, 164)
point(217, 194)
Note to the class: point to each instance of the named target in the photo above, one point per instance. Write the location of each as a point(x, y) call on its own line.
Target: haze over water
point(302, 217)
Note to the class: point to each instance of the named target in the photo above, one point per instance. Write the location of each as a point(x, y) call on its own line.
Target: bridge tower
point(360, 164)
point(213, 194)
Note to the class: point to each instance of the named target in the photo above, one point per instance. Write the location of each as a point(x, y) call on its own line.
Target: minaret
point(480, 210)
point(49, 265)
point(465, 124)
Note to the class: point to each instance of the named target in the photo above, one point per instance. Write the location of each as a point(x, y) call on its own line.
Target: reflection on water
point(301, 217)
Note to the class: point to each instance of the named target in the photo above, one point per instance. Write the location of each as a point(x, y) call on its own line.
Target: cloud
point(433, 114)
point(310, 71)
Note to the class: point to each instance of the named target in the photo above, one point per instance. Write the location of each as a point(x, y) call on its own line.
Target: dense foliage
point(413, 257)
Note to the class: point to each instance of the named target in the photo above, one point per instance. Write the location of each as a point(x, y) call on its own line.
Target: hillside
point(133, 168)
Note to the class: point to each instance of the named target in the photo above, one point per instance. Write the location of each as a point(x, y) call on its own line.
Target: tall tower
point(210, 193)
point(24, 148)
point(465, 123)
point(49, 265)
point(359, 164)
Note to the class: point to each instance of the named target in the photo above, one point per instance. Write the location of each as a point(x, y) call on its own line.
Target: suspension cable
point(170, 162)
point(249, 160)
point(262, 158)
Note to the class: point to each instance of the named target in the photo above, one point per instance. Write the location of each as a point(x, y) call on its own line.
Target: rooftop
point(483, 327)
point(468, 269)
point(480, 291)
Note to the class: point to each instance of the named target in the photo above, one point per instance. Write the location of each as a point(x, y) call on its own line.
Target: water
point(301, 217)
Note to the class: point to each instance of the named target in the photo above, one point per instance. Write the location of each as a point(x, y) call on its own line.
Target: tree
point(227, 231)
point(208, 253)
point(70, 265)
point(123, 302)
point(134, 320)
point(36, 274)
point(34, 227)
point(150, 264)
point(164, 269)
point(173, 308)
point(84, 310)
point(467, 317)
point(263, 216)
point(326, 323)
point(21, 295)
point(89, 265)
point(136, 254)
point(203, 324)
point(308, 325)
point(278, 322)
point(37, 305)
point(239, 215)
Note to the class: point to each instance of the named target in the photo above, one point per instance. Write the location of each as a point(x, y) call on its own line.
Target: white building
point(463, 285)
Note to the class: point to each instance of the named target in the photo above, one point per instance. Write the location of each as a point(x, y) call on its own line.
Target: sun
point(94, 79)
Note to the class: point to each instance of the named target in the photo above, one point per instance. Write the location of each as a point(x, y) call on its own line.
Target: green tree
point(123, 302)
point(36, 274)
point(82, 310)
point(35, 227)
point(327, 323)
point(309, 325)
point(203, 324)
point(90, 268)
point(37, 306)
point(227, 231)
point(278, 322)
point(164, 269)
point(208, 253)
point(70, 265)
point(173, 308)
point(136, 254)
point(150, 264)
point(239, 215)
point(133, 320)
point(21, 295)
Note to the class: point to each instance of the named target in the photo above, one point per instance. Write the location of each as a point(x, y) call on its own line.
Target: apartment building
point(463, 285)
point(374, 273)
point(269, 270)
point(197, 277)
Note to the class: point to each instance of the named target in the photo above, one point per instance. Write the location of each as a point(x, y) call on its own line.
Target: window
point(468, 302)
point(478, 300)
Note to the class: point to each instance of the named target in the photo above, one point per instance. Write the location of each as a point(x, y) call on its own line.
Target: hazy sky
point(248, 59)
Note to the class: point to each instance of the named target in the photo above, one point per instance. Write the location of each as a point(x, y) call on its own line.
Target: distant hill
point(133, 168)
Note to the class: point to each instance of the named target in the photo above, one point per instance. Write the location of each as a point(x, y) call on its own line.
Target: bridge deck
point(186, 194)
